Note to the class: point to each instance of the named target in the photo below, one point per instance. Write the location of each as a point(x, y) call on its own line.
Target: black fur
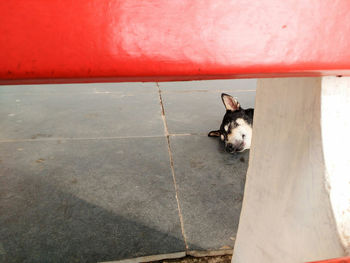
point(231, 116)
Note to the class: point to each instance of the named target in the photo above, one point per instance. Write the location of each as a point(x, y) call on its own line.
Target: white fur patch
point(235, 137)
point(226, 128)
point(241, 121)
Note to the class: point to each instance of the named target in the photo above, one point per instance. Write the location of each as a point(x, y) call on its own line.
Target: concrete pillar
point(296, 205)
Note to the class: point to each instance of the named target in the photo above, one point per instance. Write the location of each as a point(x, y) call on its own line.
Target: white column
point(296, 205)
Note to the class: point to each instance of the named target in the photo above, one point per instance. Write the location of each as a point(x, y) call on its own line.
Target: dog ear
point(214, 133)
point(230, 103)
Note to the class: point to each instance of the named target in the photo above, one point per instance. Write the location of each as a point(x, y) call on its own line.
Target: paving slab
point(87, 200)
point(84, 111)
point(124, 87)
point(199, 112)
point(224, 85)
point(210, 188)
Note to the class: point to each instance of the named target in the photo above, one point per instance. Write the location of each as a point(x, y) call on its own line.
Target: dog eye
point(243, 136)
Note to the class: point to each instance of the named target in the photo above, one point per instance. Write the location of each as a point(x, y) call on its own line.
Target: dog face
point(236, 127)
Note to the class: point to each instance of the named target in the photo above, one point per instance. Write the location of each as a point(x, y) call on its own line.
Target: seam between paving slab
point(149, 258)
point(176, 255)
point(99, 138)
point(166, 132)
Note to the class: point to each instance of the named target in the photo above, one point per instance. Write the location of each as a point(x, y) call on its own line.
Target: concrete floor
point(87, 173)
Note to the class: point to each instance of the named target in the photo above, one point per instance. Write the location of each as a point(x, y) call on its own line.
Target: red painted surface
point(336, 260)
point(133, 40)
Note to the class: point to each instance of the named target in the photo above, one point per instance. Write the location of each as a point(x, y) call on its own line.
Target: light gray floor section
point(196, 107)
point(79, 112)
point(85, 171)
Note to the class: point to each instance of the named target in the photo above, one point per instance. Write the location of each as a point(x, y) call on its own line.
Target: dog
point(236, 127)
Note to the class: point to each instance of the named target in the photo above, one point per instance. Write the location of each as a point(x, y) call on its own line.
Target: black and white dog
point(236, 127)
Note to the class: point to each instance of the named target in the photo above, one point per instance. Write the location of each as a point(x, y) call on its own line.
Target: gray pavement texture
point(96, 172)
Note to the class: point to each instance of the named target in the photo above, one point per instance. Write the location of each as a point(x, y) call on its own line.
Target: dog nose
point(234, 148)
point(230, 147)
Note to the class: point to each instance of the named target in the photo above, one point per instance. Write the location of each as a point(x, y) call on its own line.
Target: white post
point(296, 205)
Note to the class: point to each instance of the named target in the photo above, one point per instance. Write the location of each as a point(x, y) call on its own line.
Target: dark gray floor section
point(210, 183)
point(85, 174)
point(87, 201)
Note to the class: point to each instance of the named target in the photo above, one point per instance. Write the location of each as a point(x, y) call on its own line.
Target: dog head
point(236, 127)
